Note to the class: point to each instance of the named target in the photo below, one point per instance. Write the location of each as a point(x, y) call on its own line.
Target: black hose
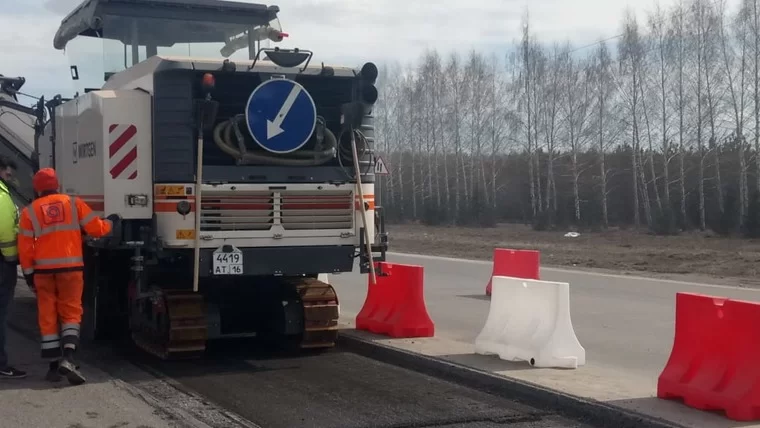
point(345, 153)
point(223, 139)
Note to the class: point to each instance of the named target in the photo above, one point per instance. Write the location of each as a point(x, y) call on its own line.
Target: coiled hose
point(223, 139)
point(345, 153)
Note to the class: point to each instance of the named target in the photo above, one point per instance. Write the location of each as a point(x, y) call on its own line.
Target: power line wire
point(680, 13)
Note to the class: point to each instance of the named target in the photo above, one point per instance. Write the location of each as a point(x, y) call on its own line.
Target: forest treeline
point(657, 128)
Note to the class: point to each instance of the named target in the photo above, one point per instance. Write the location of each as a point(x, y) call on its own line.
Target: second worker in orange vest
point(50, 254)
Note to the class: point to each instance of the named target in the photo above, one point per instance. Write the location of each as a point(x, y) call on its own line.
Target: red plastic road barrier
point(395, 304)
point(715, 361)
point(514, 263)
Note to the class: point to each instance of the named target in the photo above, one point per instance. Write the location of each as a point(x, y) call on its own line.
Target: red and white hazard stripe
point(122, 151)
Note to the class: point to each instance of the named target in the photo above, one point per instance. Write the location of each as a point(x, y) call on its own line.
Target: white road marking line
point(580, 272)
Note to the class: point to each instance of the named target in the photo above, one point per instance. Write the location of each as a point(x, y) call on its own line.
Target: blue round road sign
point(280, 115)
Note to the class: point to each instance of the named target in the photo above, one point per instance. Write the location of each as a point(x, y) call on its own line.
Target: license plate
point(228, 263)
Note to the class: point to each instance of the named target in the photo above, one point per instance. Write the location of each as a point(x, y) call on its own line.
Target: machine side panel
point(173, 122)
point(127, 153)
point(79, 173)
point(174, 229)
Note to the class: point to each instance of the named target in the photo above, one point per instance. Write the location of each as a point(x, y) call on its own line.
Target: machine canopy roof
point(161, 22)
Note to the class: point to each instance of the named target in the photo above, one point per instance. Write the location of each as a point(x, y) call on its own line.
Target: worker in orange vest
point(50, 254)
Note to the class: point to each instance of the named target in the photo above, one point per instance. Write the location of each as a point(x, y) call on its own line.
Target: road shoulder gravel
point(101, 402)
point(118, 393)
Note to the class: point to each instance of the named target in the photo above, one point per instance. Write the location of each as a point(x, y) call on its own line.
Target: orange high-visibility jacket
point(50, 236)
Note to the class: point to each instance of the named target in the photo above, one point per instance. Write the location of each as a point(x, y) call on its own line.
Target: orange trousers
point(59, 299)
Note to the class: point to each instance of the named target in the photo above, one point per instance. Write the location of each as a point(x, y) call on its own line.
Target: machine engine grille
point(236, 210)
point(226, 210)
point(310, 210)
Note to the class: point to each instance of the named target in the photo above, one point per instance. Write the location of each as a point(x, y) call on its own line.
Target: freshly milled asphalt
point(342, 389)
point(331, 389)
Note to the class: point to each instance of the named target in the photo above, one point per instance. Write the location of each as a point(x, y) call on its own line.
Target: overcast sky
point(345, 31)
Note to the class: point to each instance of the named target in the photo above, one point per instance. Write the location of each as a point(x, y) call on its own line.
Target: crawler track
point(173, 324)
point(321, 312)
point(178, 330)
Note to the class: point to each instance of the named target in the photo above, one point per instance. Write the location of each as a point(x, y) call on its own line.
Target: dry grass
point(701, 254)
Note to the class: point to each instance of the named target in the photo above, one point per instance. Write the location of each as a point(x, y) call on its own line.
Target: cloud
point(340, 31)
point(26, 40)
point(60, 7)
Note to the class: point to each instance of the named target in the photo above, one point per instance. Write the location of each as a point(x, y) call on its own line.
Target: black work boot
point(67, 367)
point(52, 374)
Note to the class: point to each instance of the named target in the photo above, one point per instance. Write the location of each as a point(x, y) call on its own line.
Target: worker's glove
point(115, 219)
point(30, 282)
point(114, 238)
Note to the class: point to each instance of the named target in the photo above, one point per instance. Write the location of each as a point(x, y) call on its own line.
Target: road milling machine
point(240, 172)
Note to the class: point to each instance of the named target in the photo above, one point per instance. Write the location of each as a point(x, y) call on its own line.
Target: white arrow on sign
point(273, 127)
point(380, 168)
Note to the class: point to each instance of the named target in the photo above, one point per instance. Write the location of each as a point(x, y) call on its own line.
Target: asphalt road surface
point(624, 322)
point(342, 389)
point(332, 389)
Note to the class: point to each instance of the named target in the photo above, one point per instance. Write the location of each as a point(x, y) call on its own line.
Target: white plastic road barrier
point(529, 320)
